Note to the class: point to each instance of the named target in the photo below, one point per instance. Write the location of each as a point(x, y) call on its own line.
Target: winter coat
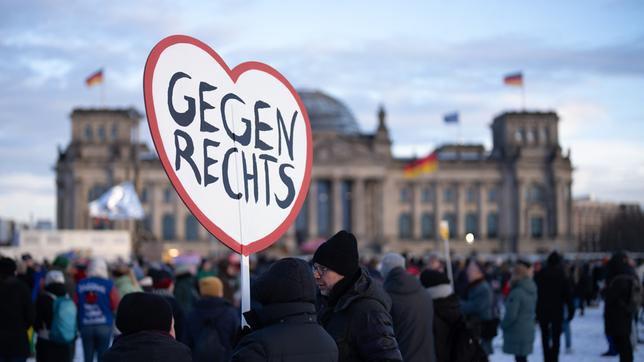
point(16, 316)
point(447, 320)
point(554, 292)
point(285, 332)
point(477, 305)
point(518, 322)
point(224, 315)
point(412, 312)
point(47, 350)
point(125, 285)
point(360, 323)
point(150, 346)
point(185, 291)
point(618, 309)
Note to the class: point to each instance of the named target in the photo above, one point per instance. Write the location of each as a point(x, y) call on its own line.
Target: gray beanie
point(391, 261)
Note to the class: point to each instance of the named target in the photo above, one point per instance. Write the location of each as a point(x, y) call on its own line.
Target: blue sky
point(421, 59)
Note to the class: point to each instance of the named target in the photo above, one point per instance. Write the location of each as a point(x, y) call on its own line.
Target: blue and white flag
point(118, 203)
point(451, 117)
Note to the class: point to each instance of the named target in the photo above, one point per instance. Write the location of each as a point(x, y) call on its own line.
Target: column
point(415, 210)
point(438, 212)
point(460, 211)
point(483, 211)
point(336, 205)
point(359, 214)
point(313, 208)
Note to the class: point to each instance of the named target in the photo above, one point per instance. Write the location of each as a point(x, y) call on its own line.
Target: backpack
point(63, 322)
point(208, 346)
point(465, 346)
point(634, 299)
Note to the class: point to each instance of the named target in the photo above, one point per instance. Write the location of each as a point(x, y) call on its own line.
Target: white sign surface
point(236, 144)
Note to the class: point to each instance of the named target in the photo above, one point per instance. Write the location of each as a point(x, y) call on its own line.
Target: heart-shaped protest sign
point(235, 144)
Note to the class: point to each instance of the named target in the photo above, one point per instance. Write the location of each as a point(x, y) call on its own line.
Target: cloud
point(27, 195)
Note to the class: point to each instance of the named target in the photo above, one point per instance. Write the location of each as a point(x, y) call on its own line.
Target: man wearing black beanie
point(354, 308)
point(147, 325)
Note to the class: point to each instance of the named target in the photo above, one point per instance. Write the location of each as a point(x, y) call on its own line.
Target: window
point(519, 135)
point(427, 226)
point(192, 228)
point(115, 132)
point(147, 222)
point(324, 207)
point(451, 222)
point(543, 137)
point(302, 223)
point(471, 195)
point(427, 194)
point(89, 134)
point(536, 227)
point(472, 224)
point(101, 134)
point(492, 225)
point(96, 191)
point(532, 135)
point(493, 194)
point(536, 193)
point(168, 229)
point(404, 226)
point(144, 194)
point(405, 194)
point(167, 195)
point(449, 194)
point(345, 194)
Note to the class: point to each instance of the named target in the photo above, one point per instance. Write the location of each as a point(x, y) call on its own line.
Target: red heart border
point(234, 74)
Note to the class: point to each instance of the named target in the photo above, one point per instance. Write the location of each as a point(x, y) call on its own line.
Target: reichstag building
point(515, 197)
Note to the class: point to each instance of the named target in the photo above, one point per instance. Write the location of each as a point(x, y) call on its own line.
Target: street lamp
point(469, 238)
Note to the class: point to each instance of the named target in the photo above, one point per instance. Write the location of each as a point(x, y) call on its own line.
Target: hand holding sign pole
point(235, 143)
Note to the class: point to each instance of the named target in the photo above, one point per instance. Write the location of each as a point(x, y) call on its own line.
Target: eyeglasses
point(320, 269)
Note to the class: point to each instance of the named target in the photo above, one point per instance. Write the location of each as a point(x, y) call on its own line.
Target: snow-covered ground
point(588, 341)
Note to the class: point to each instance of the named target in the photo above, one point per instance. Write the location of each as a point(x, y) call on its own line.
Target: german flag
point(514, 79)
point(95, 78)
point(427, 164)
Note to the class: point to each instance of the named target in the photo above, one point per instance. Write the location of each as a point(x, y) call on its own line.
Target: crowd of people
point(333, 306)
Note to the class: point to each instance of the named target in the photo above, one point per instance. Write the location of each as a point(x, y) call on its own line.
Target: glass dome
point(328, 114)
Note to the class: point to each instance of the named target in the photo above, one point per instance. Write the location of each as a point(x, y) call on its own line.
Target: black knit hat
point(431, 278)
point(7, 266)
point(143, 312)
point(287, 280)
point(339, 253)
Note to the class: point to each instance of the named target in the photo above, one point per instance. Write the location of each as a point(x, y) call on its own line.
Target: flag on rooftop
point(451, 118)
point(514, 79)
point(425, 165)
point(118, 203)
point(95, 78)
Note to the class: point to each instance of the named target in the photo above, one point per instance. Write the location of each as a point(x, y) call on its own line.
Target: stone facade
point(514, 198)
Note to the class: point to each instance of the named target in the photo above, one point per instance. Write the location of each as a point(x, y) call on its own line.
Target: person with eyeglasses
point(354, 309)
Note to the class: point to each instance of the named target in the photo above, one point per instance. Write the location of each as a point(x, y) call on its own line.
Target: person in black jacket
point(146, 323)
point(283, 320)
point(621, 305)
point(412, 310)
point(554, 292)
point(212, 314)
point(163, 285)
point(46, 350)
point(354, 309)
point(16, 313)
point(452, 339)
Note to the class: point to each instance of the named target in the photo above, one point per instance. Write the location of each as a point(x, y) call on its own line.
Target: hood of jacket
point(398, 281)
point(527, 285)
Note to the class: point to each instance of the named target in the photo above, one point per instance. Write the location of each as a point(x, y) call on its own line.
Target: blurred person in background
point(163, 285)
point(124, 280)
point(623, 298)
point(553, 295)
point(97, 300)
point(213, 323)
point(411, 310)
point(16, 313)
point(477, 306)
point(185, 287)
point(520, 311)
point(48, 350)
point(146, 323)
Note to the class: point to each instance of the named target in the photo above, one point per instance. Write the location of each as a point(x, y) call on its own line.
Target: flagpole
point(523, 97)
